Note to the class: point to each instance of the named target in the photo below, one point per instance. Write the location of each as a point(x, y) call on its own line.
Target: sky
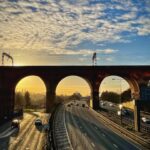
point(67, 32)
point(72, 84)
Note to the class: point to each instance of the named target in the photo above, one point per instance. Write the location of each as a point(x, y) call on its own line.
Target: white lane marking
point(93, 144)
point(6, 131)
point(115, 145)
point(8, 134)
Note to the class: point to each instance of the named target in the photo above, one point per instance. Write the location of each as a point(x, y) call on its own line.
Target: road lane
point(96, 137)
point(97, 134)
point(75, 132)
point(29, 137)
point(110, 136)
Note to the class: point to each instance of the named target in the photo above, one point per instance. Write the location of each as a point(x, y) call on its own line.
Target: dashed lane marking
point(93, 144)
point(115, 145)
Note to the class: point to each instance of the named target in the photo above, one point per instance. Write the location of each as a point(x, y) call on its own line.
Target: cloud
point(54, 27)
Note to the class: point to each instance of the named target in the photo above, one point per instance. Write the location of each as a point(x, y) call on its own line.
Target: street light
point(120, 107)
point(133, 101)
point(120, 85)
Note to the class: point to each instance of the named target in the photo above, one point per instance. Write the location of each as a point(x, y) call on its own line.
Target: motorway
point(28, 137)
point(111, 111)
point(86, 131)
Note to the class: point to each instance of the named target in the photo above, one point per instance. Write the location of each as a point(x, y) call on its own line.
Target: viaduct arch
point(136, 76)
point(75, 76)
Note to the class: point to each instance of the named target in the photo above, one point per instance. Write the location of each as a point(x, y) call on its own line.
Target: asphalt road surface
point(28, 137)
point(87, 132)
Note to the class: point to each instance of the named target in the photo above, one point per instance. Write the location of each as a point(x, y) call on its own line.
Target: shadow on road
point(43, 128)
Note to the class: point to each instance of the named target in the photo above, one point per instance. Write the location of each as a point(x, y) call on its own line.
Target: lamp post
point(120, 107)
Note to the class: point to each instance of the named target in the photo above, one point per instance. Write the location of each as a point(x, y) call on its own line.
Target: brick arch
point(26, 76)
point(133, 83)
point(20, 77)
point(135, 90)
point(81, 77)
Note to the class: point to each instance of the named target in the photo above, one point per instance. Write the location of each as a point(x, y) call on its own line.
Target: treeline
point(29, 101)
point(114, 97)
point(74, 96)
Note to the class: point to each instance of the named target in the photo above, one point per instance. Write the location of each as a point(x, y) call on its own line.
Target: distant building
point(145, 93)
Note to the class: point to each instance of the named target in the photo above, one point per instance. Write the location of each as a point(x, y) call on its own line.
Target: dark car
point(83, 105)
point(125, 112)
point(15, 123)
point(38, 122)
point(68, 105)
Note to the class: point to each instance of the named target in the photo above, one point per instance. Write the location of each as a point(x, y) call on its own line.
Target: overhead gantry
point(8, 56)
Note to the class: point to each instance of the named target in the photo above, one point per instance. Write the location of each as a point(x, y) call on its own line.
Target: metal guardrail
point(145, 143)
point(145, 128)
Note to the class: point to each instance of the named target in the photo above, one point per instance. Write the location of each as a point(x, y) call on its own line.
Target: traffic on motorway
point(125, 112)
point(75, 126)
point(87, 131)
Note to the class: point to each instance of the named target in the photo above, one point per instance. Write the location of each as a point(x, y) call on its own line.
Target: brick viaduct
point(136, 76)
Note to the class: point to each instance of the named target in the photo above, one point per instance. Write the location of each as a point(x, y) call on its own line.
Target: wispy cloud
point(56, 26)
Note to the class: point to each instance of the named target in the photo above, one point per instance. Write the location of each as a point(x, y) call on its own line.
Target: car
point(15, 123)
point(125, 112)
point(83, 105)
point(18, 113)
point(110, 104)
point(38, 122)
point(145, 120)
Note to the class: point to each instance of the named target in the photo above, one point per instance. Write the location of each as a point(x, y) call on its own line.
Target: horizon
point(72, 84)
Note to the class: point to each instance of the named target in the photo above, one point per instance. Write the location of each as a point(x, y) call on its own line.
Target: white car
point(110, 104)
point(145, 120)
point(15, 123)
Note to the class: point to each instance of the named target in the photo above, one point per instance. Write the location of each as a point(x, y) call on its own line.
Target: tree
point(115, 97)
point(19, 100)
point(75, 96)
point(126, 95)
point(111, 97)
point(27, 99)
